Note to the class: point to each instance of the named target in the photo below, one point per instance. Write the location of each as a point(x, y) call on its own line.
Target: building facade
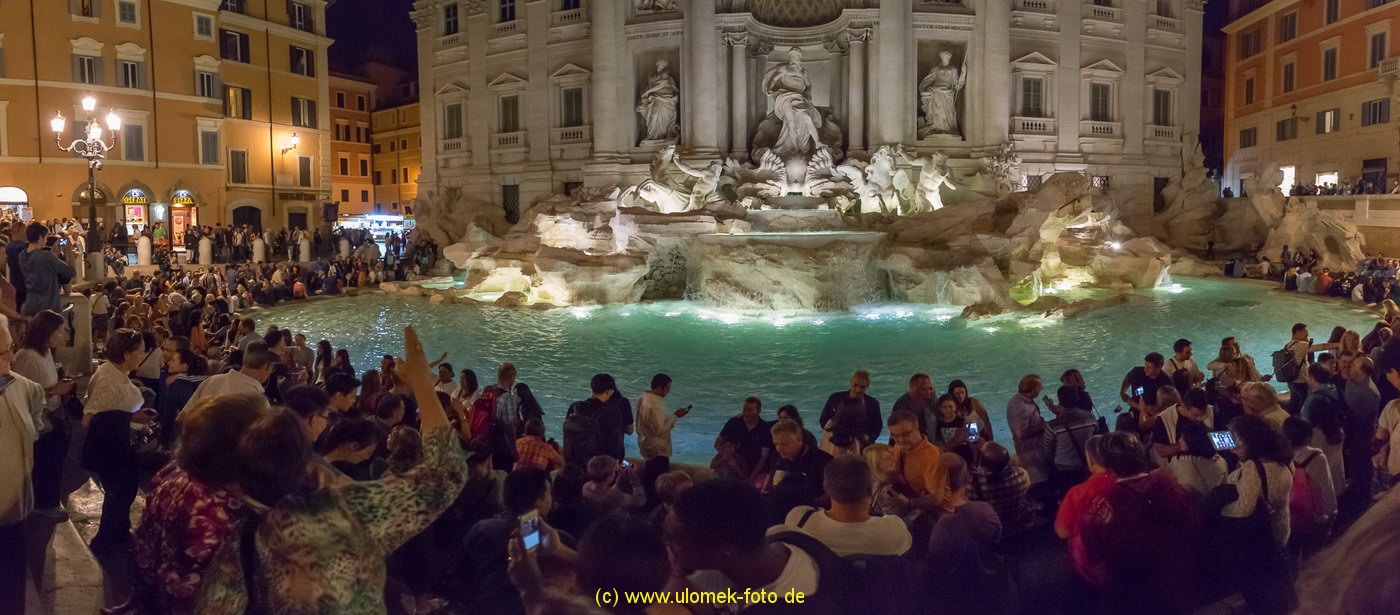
point(1309, 90)
point(398, 159)
point(524, 99)
point(351, 102)
point(210, 93)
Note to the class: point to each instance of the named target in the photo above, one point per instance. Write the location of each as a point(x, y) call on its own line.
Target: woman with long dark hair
point(971, 408)
point(368, 403)
point(1248, 546)
point(35, 361)
point(324, 357)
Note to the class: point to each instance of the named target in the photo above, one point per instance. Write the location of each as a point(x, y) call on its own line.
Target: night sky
point(372, 30)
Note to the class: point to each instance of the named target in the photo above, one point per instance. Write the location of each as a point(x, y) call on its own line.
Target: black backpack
point(1286, 367)
point(886, 584)
point(582, 436)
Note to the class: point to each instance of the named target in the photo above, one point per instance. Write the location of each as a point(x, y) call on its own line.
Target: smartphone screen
point(1139, 391)
point(530, 530)
point(972, 432)
point(1223, 440)
point(626, 463)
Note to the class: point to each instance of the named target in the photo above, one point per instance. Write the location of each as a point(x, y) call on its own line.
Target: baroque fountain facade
point(805, 154)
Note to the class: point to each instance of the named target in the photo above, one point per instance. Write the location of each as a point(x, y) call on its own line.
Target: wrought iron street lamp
point(90, 146)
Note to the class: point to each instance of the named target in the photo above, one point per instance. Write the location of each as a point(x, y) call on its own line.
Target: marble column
point(894, 48)
point(608, 86)
point(855, 90)
point(704, 54)
point(738, 43)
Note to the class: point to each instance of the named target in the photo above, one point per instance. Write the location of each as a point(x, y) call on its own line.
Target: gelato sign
point(135, 197)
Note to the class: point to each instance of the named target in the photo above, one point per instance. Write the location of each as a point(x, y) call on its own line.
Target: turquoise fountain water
point(720, 357)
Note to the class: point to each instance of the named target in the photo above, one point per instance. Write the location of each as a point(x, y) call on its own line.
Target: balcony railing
point(508, 140)
point(451, 40)
point(1033, 125)
point(1163, 133)
point(1158, 22)
point(564, 18)
point(1039, 6)
point(1102, 130)
point(1389, 68)
point(1103, 13)
point(453, 145)
point(572, 134)
point(507, 27)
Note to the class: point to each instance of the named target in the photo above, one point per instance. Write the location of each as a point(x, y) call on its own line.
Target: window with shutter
point(304, 171)
point(208, 147)
point(238, 166)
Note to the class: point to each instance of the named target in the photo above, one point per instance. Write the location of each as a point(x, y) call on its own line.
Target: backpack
point(858, 583)
point(1304, 507)
point(582, 436)
point(483, 413)
point(1286, 367)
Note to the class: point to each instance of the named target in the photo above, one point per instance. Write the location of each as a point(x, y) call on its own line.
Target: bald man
point(1004, 485)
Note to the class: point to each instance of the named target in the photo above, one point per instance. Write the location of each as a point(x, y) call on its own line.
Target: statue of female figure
point(791, 90)
point(657, 105)
point(938, 95)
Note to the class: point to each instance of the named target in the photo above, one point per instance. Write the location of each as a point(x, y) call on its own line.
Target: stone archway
point(248, 215)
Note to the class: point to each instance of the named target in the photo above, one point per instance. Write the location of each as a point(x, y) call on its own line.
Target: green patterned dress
point(323, 552)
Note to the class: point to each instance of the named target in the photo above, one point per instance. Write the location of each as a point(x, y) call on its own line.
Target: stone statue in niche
point(933, 175)
point(655, 6)
point(657, 105)
point(791, 90)
point(938, 97)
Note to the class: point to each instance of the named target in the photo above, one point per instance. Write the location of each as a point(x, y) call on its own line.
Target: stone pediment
point(1165, 75)
point(570, 74)
point(1035, 58)
point(508, 81)
point(1105, 67)
point(453, 88)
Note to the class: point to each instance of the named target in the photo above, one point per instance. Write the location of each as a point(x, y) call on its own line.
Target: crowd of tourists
point(1372, 281)
point(1345, 188)
point(279, 477)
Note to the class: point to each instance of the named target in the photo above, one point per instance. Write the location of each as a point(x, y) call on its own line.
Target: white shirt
point(1172, 364)
point(231, 383)
point(800, 574)
point(448, 387)
point(111, 389)
point(875, 536)
point(1390, 421)
point(654, 425)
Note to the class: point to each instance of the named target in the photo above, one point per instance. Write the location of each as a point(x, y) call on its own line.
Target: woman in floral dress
point(192, 508)
point(323, 551)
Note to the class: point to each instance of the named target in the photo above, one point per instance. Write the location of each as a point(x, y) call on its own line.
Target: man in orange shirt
point(919, 462)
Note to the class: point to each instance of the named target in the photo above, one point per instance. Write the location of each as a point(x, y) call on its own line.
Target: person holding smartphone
point(654, 422)
point(1139, 388)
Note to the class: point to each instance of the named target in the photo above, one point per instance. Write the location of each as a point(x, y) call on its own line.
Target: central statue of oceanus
point(797, 129)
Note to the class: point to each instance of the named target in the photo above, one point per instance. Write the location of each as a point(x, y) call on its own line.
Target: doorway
point(248, 215)
point(1373, 173)
point(296, 219)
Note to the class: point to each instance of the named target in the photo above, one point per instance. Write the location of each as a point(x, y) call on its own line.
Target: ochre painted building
point(211, 93)
point(1309, 87)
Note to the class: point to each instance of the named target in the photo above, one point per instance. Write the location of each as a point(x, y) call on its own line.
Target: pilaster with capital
point(738, 44)
point(856, 41)
point(608, 85)
point(703, 41)
point(894, 117)
point(837, 48)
